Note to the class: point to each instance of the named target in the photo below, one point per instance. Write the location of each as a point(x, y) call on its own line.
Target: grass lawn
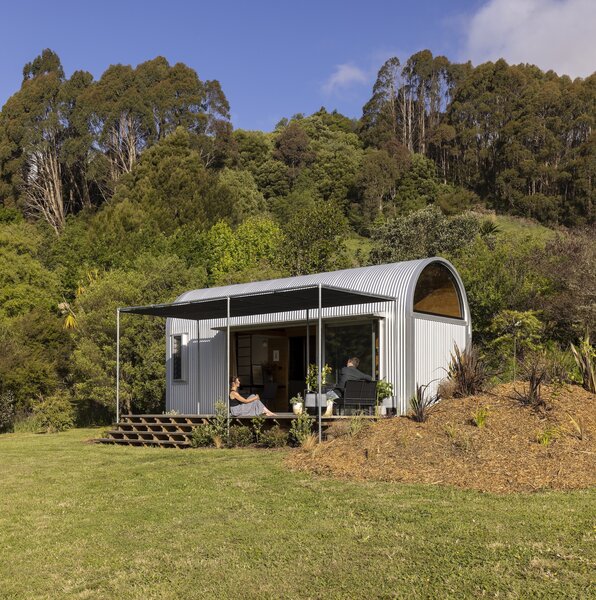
point(86, 521)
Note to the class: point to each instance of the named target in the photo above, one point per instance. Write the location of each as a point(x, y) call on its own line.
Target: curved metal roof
point(392, 280)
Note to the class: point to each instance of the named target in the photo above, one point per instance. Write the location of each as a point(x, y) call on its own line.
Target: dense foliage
point(133, 188)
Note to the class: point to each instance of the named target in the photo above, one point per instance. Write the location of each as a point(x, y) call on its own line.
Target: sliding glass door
point(346, 340)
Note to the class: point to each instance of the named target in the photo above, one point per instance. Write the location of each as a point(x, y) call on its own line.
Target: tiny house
point(401, 320)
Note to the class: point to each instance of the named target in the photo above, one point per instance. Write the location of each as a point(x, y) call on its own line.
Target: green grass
point(516, 226)
point(86, 521)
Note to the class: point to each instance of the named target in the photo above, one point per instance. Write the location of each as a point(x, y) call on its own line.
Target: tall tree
point(32, 137)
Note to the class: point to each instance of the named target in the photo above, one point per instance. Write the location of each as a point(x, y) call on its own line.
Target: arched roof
point(396, 280)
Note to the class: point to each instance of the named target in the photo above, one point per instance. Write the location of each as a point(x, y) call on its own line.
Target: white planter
point(329, 411)
point(380, 411)
point(297, 408)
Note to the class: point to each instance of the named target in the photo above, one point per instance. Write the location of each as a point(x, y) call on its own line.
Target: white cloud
point(343, 77)
point(552, 34)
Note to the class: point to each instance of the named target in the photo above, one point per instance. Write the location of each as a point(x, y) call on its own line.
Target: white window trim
point(183, 357)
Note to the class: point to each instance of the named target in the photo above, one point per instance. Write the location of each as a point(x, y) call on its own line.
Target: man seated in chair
point(351, 373)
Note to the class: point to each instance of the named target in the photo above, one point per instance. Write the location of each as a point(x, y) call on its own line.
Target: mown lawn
point(86, 521)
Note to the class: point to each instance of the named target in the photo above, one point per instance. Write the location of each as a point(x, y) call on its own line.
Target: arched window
point(437, 293)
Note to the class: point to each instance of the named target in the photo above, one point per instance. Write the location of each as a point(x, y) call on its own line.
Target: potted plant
point(297, 403)
point(384, 390)
point(312, 382)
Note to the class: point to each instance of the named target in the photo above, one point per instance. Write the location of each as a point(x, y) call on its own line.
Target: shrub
point(534, 372)
point(585, 357)
point(559, 365)
point(240, 436)
point(258, 423)
point(202, 436)
point(55, 413)
point(578, 429)
point(446, 388)
point(479, 416)
point(422, 403)
point(219, 422)
point(310, 443)
point(275, 437)
point(467, 372)
point(7, 411)
point(548, 435)
point(301, 428)
point(358, 423)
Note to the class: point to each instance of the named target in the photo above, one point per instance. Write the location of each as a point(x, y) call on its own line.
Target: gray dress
point(246, 409)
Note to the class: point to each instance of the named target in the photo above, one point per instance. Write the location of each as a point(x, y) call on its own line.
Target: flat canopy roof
point(258, 303)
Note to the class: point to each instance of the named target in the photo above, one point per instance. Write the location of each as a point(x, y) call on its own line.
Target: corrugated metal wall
point(182, 395)
point(433, 344)
point(402, 360)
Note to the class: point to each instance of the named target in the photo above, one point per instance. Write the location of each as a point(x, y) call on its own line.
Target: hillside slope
point(517, 450)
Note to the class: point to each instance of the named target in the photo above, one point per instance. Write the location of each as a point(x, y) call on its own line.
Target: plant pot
point(329, 411)
point(310, 400)
point(297, 408)
point(380, 411)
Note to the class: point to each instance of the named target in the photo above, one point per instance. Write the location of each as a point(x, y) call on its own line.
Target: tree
point(377, 182)
point(169, 188)
point(421, 234)
point(151, 280)
point(292, 148)
point(314, 239)
point(239, 191)
point(380, 115)
point(34, 349)
point(247, 254)
point(32, 137)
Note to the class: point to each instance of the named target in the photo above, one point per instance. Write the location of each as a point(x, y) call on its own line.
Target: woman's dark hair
point(233, 379)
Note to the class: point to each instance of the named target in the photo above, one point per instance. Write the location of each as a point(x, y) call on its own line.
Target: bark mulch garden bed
point(519, 449)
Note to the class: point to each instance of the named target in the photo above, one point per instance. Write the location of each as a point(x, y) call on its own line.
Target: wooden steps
point(175, 431)
point(168, 431)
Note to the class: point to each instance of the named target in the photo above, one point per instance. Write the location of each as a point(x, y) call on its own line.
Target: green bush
point(55, 413)
point(219, 422)
point(240, 436)
point(301, 428)
point(7, 411)
point(275, 437)
point(258, 422)
point(202, 436)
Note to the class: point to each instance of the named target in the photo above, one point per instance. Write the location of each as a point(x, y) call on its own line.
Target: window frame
point(456, 286)
point(183, 356)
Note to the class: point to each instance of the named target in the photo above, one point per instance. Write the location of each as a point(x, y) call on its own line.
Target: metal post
point(307, 345)
point(117, 365)
point(228, 360)
point(198, 367)
point(319, 362)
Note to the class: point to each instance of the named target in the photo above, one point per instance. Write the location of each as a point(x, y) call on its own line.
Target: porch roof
point(259, 303)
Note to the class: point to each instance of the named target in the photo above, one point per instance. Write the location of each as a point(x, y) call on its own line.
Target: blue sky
point(275, 59)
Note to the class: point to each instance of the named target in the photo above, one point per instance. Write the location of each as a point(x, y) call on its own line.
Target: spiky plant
point(585, 357)
point(422, 403)
point(535, 374)
point(467, 372)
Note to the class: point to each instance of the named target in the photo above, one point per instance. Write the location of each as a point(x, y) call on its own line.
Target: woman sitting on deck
point(245, 407)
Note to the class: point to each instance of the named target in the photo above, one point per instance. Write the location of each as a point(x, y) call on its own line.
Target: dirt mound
point(518, 449)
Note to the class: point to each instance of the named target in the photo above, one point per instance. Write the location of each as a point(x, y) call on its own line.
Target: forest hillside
point(134, 187)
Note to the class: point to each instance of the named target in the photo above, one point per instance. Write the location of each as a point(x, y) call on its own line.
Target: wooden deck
point(175, 431)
